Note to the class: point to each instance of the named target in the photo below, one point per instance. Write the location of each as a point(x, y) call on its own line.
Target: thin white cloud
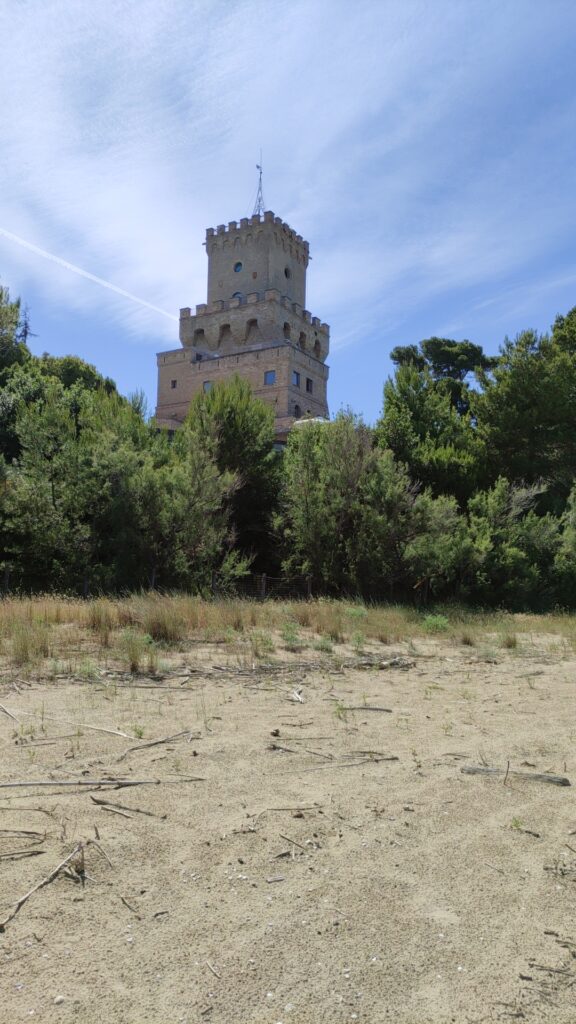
point(395, 138)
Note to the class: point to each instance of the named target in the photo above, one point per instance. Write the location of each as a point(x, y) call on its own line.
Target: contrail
point(83, 273)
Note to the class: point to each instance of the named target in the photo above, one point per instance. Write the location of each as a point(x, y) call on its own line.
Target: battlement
point(225, 233)
point(270, 295)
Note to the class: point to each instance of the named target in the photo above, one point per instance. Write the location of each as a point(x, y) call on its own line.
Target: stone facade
point(254, 324)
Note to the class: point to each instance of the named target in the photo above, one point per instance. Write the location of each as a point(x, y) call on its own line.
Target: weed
point(517, 824)
point(138, 731)
point(447, 728)
point(163, 621)
point(261, 644)
point(510, 641)
point(340, 711)
point(102, 619)
point(30, 643)
point(468, 639)
point(436, 623)
point(323, 645)
point(133, 646)
point(291, 637)
point(87, 669)
point(358, 641)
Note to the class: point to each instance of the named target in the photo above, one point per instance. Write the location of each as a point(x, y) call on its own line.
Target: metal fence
point(261, 587)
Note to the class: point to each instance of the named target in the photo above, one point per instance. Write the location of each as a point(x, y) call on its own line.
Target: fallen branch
point(115, 783)
point(156, 743)
point(9, 713)
point(20, 854)
point(77, 851)
point(80, 725)
point(366, 707)
point(554, 780)
point(345, 764)
point(123, 807)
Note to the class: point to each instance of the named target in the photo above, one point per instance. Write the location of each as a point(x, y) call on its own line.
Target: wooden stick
point(19, 854)
point(115, 783)
point(367, 707)
point(80, 725)
point(293, 841)
point(213, 969)
point(79, 848)
point(346, 764)
point(555, 780)
point(124, 807)
point(156, 743)
point(9, 713)
point(116, 810)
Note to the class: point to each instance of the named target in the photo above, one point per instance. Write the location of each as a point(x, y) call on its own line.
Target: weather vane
point(259, 204)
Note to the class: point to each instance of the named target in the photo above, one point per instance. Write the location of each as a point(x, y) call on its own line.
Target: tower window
point(270, 377)
point(287, 272)
point(287, 331)
point(317, 349)
point(309, 385)
point(238, 295)
point(173, 384)
point(302, 340)
point(237, 268)
point(198, 335)
point(207, 386)
point(295, 378)
point(297, 412)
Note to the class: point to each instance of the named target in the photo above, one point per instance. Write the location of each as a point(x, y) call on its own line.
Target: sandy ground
point(308, 877)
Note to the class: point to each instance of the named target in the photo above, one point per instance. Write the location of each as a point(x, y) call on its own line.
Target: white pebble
point(58, 1000)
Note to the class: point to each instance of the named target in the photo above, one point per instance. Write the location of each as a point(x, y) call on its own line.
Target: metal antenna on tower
point(259, 204)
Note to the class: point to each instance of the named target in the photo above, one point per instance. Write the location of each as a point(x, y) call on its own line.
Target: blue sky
point(427, 151)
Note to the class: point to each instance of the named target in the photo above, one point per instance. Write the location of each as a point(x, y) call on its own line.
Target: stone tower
point(253, 324)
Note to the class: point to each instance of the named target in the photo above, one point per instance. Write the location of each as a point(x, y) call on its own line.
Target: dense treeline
point(465, 488)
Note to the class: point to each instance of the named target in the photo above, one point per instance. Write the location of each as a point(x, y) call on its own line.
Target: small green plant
point(358, 641)
point(138, 731)
point(291, 636)
point(357, 611)
point(340, 711)
point(323, 645)
point(447, 728)
point(517, 824)
point(435, 623)
point(87, 670)
point(163, 622)
point(261, 643)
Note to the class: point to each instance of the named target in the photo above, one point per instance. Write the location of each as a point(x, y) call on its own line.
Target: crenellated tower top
point(256, 254)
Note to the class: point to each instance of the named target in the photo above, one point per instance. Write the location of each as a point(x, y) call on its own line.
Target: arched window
point(287, 331)
point(302, 340)
point(199, 336)
point(238, 295)
point(225, 333)
point(237, 267)
point(251, 330)
point(297, 412)
point(317, 349)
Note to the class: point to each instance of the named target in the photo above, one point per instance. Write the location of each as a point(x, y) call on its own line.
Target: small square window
point(270, 377)
point(173, 384)
point(309, 385)
point(295, 378)
point(207, 385)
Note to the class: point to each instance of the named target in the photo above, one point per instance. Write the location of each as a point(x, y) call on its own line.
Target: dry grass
point(134, 628)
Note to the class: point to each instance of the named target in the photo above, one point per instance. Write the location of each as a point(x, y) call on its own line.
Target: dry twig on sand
point(555, 780)
point(77, 852)
point(157, 743)
point(124, 807)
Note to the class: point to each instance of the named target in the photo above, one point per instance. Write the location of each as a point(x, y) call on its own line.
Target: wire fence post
point(262, 587)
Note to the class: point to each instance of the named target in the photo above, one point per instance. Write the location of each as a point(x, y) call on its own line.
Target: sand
point(308, 877)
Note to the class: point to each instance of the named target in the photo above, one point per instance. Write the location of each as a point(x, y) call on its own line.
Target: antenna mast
point(259, 204)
